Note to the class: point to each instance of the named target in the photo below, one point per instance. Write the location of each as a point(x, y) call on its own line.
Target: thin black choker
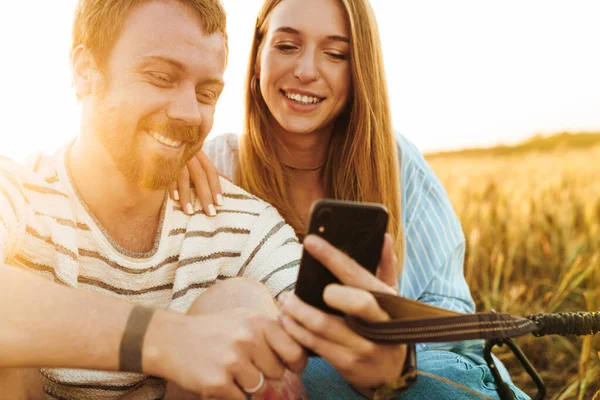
point(291, 167)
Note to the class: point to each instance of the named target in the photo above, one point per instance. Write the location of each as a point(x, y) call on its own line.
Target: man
point(95, 216)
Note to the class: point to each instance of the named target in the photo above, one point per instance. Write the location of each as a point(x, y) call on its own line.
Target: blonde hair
point(97, 23)
point(362, 159)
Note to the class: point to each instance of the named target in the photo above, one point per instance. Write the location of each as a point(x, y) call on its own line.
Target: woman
point(318, 125)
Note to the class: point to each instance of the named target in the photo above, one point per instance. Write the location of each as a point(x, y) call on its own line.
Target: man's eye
point(207, 97)
point(160, 77)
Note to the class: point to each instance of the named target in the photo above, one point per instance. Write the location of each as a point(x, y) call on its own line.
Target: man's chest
point(136, 236)
point(183, 264)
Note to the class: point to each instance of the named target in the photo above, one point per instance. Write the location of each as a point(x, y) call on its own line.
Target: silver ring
point(256, 388)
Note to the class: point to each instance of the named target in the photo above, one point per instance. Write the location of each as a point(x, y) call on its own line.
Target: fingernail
point(312, 241)
point(176, 195)
point(211, 210)
point(189, 208)
point(219, 200)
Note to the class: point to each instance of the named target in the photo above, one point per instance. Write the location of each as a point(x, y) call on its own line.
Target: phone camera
point(325, 215)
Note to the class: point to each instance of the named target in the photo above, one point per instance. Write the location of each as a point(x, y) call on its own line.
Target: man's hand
point(218, 354)
point(361, 362)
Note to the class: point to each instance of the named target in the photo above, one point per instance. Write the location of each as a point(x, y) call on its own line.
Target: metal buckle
point(502, 387)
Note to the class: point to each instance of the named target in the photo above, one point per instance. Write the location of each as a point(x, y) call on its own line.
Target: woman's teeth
point(302, 99)
point(164, 140)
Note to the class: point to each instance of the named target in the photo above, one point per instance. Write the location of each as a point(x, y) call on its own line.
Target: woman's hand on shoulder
point(204, 176)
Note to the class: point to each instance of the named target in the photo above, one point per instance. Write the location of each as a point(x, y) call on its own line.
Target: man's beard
point(153, 171)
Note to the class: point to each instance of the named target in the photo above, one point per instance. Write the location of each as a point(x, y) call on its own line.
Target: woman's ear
point(83, 68)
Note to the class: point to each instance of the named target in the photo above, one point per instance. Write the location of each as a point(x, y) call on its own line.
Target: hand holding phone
point(357, 229)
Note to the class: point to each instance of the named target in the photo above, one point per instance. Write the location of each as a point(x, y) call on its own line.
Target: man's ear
point(83, 70)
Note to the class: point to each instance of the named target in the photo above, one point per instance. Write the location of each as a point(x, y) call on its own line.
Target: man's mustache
point(173, 132)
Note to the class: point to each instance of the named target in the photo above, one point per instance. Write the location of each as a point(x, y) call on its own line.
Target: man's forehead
point(172, 30)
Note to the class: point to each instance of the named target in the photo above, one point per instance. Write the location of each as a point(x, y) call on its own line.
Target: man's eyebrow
point(213, 81)
point(287, 29)
point(163, 59)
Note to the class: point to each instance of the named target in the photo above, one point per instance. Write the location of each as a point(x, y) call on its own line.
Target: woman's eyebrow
point(287, 29)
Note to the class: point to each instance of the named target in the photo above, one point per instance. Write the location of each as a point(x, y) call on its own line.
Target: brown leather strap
point(415, 322)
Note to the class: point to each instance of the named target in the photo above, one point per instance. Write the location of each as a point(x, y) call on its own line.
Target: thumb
point(386, 271)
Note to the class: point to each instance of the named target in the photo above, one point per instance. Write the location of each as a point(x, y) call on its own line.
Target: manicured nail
point(219, 200)
point(176, 195)
point(211, 210)
point(189, 208)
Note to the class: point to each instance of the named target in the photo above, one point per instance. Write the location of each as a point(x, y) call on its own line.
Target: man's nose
point(307, 69)
point(184, 107)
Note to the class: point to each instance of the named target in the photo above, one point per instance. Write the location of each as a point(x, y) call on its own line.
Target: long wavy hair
point(362, 159)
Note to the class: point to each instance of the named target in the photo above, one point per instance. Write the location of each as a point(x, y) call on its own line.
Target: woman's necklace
point(291, 167)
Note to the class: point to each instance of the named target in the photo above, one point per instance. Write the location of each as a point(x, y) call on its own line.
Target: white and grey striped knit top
point(46, 228)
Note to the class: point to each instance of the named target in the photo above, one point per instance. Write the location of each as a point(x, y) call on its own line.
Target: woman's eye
point(285, 47)
point(337, 56)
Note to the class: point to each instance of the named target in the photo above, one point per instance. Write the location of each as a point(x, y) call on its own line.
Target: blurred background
point(502, 96)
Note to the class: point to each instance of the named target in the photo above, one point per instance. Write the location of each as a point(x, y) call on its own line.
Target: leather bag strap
point(415, 322)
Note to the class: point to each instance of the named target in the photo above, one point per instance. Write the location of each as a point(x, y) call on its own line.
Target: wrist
point(159, 337)
point(406, 378)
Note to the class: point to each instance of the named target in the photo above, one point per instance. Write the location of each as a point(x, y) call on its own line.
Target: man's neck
point(121, 206)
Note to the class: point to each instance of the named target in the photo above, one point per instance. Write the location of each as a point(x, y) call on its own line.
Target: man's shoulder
point(38, 171)
point(237, 198)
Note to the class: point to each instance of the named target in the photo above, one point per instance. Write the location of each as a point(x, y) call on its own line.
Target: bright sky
point(461, 73)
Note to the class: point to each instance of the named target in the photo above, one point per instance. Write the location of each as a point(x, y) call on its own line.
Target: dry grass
point(532, 224)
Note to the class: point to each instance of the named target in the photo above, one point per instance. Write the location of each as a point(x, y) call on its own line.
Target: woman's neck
point(302, 151)
point(302, 156)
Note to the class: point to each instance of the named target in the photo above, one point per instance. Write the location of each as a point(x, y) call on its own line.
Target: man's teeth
point(302, 99)
point(165, 140)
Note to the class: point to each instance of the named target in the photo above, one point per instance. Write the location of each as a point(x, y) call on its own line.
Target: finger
point(200, 180)
point(323, 325)
point(219, 387)
point(342, 266)
point(265, 359)
point(308, 339)
point(387, 269)
point(355, 302)
point(183, 186)
point(248, 377)
point(287, 349)
point(212, 174)
point(225, 177)
point(173, 192)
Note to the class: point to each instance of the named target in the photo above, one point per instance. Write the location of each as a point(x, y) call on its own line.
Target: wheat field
point(532, 223)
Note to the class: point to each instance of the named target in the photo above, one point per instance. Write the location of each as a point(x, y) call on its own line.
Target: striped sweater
point(46, 228)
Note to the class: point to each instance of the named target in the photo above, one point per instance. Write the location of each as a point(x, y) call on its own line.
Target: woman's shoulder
point(410, 156)
point(223, 152)
point(422, 191)
point(223, 142)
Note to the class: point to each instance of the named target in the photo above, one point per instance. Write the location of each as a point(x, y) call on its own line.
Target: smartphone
point(357, 229)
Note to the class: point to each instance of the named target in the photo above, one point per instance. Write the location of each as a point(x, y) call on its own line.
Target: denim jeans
point(466, 367)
